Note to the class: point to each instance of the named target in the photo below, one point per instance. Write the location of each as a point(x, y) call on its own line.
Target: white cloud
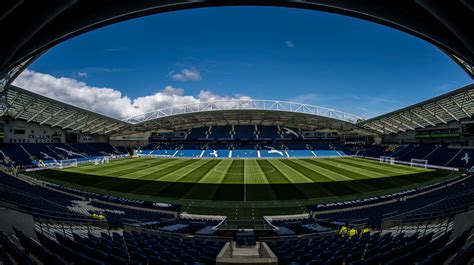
point(79, 74)
point(187, 74)
point(109, 101)
point(289, 44)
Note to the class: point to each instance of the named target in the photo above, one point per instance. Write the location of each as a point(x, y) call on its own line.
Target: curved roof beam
point(247, 104)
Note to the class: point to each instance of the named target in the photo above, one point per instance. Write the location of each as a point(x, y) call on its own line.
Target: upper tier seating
point(220, 132)
point(268, 132)
point(198, 133)
point(290, 133)
point(244, 132)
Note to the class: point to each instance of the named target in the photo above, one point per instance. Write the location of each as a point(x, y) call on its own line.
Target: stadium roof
point(31, 27)
point(248, 111)
point(456, 105)
point(245, 104)
point(25, 105)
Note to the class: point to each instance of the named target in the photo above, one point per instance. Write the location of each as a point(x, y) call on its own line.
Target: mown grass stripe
point(337, 168)
point(334, 176)
point(135, 170)
point(281, 185)
point(177, 190)
point(314, 175)
point(96, 169)
point(382, 169)
point(290, 173)
point(235, 173)
point(276, 178)
point(357, 183)
point(254, 173)
point(207, 191)
point(257, 184)
point(310, 189)
point(351, 171)
point(406, 169)
point(111, 164)
point(217, 174)
point(161, 172)
point(181, 174)
point(108, 167)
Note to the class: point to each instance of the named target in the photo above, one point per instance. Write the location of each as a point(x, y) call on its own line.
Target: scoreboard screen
point(468, 129)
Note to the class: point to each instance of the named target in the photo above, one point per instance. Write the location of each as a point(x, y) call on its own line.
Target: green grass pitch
point(272, 179)
point(243, 184)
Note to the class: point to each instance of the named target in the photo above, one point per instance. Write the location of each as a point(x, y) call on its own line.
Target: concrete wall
point(409, 136)
point(35, 133)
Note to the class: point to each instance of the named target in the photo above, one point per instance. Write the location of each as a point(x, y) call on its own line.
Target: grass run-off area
point(243, 188)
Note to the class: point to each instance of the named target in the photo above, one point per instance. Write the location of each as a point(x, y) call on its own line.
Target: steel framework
point(453, 106)
point(246, 104)
point(25, 105)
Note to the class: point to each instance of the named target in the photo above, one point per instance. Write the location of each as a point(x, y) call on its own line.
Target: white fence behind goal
point(387, 160)
point(419, 163)
point(67, 163)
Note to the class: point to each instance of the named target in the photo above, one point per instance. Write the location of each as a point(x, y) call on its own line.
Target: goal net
point(67, 163)
point(419, 163)
point(387, 160)
point(102, 160)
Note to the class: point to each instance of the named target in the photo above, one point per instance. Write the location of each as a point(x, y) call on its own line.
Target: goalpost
point(67, 163)
point(102, 160)
point(387, 160)
point(419, 163)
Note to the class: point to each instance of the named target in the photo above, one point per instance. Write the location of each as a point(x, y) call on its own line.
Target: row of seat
point(372, 249)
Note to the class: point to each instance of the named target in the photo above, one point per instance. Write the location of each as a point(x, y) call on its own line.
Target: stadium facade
point(234, 182)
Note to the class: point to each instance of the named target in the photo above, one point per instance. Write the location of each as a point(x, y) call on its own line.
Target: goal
point(387, 160)
point(419, 163)
point(67, 163)
point(102, 160)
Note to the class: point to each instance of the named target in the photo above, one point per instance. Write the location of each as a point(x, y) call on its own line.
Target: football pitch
point(201, 184)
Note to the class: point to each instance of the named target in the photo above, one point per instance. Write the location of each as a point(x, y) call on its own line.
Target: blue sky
point(260, 52)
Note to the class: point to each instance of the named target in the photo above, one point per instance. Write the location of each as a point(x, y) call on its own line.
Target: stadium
point(234, 181)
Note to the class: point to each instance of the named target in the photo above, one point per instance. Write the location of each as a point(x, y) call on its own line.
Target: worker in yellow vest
point(352, 232)
point(343, 231)
point(364, 231)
